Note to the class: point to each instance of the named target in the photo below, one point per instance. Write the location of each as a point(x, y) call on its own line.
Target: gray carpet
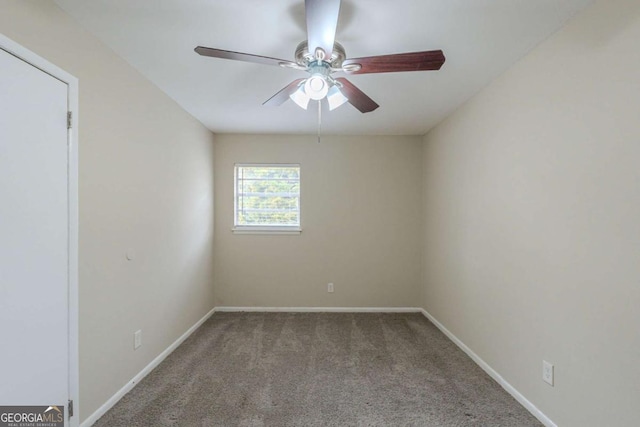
point(317, 369)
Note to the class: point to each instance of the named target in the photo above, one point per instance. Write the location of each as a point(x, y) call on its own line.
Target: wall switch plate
point(547, 372)
point(137, 339)
point(330, 287)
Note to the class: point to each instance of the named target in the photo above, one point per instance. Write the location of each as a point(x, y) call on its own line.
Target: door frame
point(37, 61)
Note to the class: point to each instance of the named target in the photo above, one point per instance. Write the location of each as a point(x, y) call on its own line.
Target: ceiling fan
point(321, 56)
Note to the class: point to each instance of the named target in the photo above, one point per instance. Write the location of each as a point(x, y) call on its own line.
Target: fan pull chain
point(319, 119)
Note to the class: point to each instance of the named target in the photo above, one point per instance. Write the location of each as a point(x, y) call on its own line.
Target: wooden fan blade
point(356, 97)
point(414, 61)
point(239, 56)
point(280, 97)
point(322, 21)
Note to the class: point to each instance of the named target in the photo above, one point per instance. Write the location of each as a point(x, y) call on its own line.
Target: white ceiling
point(480, 39)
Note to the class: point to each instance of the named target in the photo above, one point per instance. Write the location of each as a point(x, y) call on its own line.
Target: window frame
point(265, 229)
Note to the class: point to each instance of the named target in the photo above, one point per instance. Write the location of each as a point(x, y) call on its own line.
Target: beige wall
point(360, 213)
point(146, 182)
point(532, 220)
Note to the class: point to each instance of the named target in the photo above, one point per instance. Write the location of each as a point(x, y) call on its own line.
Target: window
point(267, 198)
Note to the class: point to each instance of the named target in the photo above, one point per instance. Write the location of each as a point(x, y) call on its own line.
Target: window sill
point(266, 230)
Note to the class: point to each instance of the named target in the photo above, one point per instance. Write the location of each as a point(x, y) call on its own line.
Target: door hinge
point(70, 408)
point(69, 119)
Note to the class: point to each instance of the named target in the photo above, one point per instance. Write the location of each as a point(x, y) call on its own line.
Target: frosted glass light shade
point(316, 87)
point(335, 98)
point(300, 98)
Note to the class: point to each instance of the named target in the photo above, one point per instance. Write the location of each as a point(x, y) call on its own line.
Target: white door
point(34, 236)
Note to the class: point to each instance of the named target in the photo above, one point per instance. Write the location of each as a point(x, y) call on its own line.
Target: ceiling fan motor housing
point(305, 58)
point(320, 69)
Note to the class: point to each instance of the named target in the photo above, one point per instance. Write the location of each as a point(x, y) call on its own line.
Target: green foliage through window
point(267, 195)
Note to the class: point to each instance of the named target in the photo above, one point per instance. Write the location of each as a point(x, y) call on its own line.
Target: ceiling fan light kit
point(321, 56)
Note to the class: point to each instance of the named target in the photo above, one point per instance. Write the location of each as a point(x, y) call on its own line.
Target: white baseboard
point(321, 309)
point(492, 373)
point(135, 380)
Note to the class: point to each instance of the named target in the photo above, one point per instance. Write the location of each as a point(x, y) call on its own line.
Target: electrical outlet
point(547, 372)
point(137, 339)
point(330, 287)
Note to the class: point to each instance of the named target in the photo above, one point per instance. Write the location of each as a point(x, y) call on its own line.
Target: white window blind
point(267, 197)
